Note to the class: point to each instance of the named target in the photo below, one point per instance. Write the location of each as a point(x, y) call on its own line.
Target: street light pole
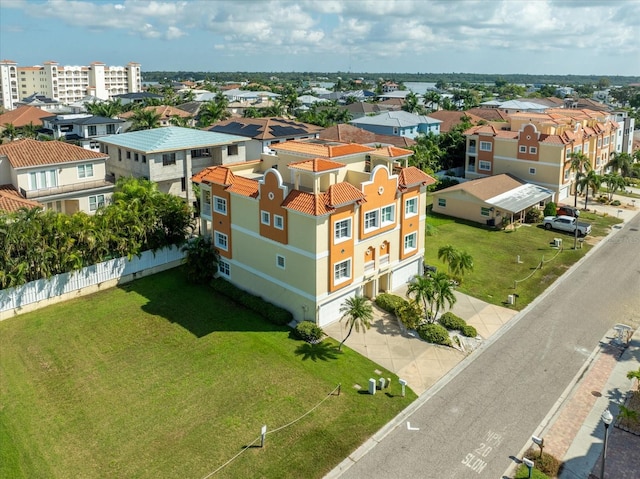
point(607, 418)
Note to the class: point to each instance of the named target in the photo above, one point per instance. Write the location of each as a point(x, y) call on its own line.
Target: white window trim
point(442, 202)
point(349, 234)
point(278, 222)
point(483, 209)
point(265, 218)
point(384, 223)
point(224, 268)
point(532, 171)
point(84, 168)
point(215, 205)
point(377, 220)
point(414, 201)
point(481, 162)
point(415, 242)
point(97, 202)
point(281, 259)
point(489, 148)
point(523, 149)
point(343, 279)
point(533, 150)
point(219, 244)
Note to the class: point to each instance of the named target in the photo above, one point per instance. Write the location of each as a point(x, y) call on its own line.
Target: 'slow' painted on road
point(476, 460)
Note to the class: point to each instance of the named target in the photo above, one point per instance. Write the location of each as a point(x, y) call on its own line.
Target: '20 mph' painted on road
point(476, 460)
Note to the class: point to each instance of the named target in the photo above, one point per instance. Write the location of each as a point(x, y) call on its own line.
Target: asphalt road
point(489, 410)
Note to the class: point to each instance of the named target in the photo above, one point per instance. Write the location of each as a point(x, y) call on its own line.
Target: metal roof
point(520, 198)
point(396, 119)
point(170, 138)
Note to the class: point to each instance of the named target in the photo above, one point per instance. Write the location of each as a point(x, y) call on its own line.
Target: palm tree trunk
point(346, 337)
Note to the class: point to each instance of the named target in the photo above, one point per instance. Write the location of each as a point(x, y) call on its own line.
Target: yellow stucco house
point(316, 223)
point(536, 147)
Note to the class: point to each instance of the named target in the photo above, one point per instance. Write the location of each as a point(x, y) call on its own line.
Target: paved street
point(470, 425)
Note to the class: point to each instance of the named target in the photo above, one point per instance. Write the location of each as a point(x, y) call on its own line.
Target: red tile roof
point(412, 176)
point(24, 115)
point(27, 152)
point(342, 194)
point(392, 152)
point(316, 165)
point(220, 175)
point(451, 118)
point(307, 203)
point(11, 200)
point(326, 150)
point(244, 187)
point(346, 133)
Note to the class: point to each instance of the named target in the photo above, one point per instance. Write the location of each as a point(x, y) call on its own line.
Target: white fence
point(61, 287)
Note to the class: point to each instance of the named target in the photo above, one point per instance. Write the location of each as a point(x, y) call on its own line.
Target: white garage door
point(563, 193)
point(403, 274)
point(330, 311)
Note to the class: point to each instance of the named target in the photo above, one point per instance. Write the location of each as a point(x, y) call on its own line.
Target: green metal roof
point(170, 138)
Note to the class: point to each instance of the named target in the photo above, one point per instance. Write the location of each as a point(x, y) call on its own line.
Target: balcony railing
point(471, 149)
point(369, 267)
point(108, 180)
point(384, 260)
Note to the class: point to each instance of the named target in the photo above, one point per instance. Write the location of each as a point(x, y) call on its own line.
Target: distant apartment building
point(537, 147)
point(66, 83)
point(624, 141)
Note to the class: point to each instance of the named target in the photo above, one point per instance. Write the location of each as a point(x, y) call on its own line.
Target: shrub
point(533, 216)
point(410, 314)
point(309, 331)
point(434, 333)
point(615, 203)
point(446, 182)
point(469, 331)
point(451, 321)
point(267, 310)
point(390, 302)
point(550, 209)
point(547, 463)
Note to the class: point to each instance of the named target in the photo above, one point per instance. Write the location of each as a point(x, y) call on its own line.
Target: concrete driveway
point(420, 363)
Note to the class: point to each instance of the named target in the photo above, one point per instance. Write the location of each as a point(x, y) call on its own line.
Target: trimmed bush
point(451, 321)
point(533, 216)
point(390, 302)
point(309, 331)
point(469, 331)
point(615, 203)
point(434, 333)
point(550, 209)
point(267, 310)
point(409, 314)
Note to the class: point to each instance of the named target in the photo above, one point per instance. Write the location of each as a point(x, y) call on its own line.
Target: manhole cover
point(596, 394)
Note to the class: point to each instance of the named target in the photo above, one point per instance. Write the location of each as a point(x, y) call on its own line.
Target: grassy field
point(159, 378)
point(495, 254)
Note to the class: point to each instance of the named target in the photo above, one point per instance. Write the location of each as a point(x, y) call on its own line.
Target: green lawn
point(159, 378)
point(495, 254)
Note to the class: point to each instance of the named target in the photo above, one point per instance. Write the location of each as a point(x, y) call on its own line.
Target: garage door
point(563, 193)
point(402, 275)
point(330, 311)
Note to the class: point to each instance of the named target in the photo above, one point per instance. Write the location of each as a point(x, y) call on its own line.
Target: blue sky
point(480, 36)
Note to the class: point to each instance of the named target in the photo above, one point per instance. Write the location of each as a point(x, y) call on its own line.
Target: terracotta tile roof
point(316, 165)
point(11, 200)
point(324, 149)
point(24, 115)
point(554, 140)
point(27, 152)
point(489, 114)
point(412, 176)
point(450, 119)
point(342, 194)
point(346, 133)
point(214, 174)
point(244, 186)
point(164, 111)
point(220, 175)
point(392, 152)
point(307, 203)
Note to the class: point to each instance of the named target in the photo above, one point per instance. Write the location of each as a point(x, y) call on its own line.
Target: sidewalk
point(575, 432)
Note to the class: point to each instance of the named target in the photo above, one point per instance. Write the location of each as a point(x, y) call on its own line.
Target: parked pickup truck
point(566, 223)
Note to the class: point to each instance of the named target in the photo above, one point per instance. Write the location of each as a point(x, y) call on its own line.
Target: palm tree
point(432, 97)
point(579, 164)
point(423, 291)
point(214, 110)
point(183, 121)
point(358, 312)
point(462, 263)
point(9, 131)
point(590, 180)
point(614, 182)
point(620, 162)
point(107, 109)
point(29, 131)
point(443, 293)
point(447, 254)
point(145, 119)
point(411, 103)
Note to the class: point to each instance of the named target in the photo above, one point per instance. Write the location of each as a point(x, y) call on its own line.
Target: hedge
point(434, 333)
point(267, 310)
point(390, 302)
point(309, 331)
point(451, 321)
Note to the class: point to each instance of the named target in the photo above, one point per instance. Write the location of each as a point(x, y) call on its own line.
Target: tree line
point(37, 243)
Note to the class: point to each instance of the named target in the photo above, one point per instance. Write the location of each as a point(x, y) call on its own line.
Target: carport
point(515, 203)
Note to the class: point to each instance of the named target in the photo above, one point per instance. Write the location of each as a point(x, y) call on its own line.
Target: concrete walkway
point(420, 363)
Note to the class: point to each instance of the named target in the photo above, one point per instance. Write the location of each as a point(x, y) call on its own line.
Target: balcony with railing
point(369, 267)
point(109, 180)
point(384, 261)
